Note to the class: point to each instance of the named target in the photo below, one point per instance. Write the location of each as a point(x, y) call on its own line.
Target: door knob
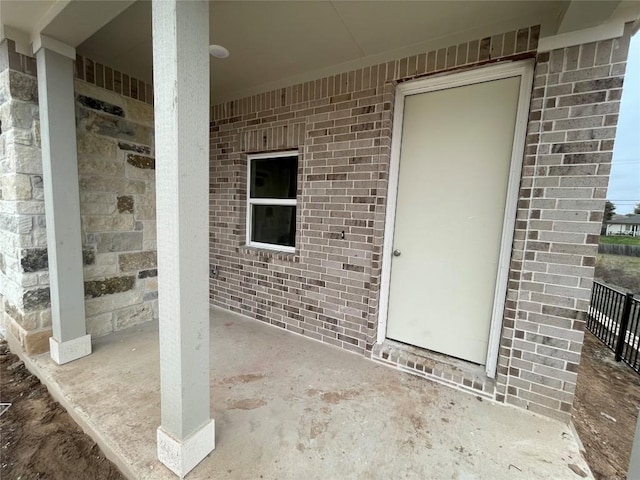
point(397, 253)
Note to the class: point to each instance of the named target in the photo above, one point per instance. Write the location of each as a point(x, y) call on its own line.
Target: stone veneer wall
point(329, 289)
point(117, 206)
point(117, 202)
point(24, 291)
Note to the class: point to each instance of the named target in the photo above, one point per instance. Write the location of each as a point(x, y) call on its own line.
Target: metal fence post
point(624, 323)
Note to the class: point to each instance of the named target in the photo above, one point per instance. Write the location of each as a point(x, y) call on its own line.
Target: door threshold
point(452, 372)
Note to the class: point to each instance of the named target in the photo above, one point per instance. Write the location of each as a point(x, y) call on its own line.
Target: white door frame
point(522, 69)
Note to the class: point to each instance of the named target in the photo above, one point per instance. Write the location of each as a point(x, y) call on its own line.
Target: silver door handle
point(397, 253)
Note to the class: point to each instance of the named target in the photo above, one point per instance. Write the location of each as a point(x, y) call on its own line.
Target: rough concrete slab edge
point(577, 437)
point(572, 432)
point(113, 454)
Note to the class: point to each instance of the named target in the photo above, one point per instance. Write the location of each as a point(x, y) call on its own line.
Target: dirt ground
point(606, 409)
point(39, 440)
point(619, 271)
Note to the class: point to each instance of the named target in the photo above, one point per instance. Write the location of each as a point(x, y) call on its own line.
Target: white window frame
point(292, 202)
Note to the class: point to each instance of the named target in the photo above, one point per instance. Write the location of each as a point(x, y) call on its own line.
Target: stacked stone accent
point(572, 126)
point(329, 288)
point(24, 279)
point(117, 205)
point(116, 167)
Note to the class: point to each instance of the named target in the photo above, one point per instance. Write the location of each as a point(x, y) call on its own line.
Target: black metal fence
point(614, 317)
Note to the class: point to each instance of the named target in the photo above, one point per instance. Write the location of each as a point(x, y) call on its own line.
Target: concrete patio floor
point(287, 407)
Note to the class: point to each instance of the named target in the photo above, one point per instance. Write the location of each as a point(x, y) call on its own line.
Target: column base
point(182, 456)
point(65, 352)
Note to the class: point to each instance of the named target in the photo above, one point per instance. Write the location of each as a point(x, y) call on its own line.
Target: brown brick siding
point(106, 77)
point(90, 71)
point(567, 161)
point(329, 288)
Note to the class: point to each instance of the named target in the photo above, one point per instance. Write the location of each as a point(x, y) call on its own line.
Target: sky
point(624, 185)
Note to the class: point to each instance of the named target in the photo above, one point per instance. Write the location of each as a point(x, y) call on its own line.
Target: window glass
point(275, 224)
point(274, 177)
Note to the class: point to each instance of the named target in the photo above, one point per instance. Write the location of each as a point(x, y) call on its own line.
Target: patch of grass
point(620, 240)
point(619, 271)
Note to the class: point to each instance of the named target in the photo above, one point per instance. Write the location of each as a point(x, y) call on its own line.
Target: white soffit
point(612, 26)
point(18, 18)
point(125, 43)
point(68, 22)
point(80, 19)
point(383, 26)
point(581, 15)
point(20, 14)
point(279, 43)
point(341, 36)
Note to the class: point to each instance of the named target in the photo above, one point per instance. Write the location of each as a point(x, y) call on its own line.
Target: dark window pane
point(274, 177)
point(274, 224)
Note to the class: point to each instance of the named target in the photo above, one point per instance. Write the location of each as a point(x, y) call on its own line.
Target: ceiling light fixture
point(218, 51)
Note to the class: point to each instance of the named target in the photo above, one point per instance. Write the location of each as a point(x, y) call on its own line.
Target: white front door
point(455, 158)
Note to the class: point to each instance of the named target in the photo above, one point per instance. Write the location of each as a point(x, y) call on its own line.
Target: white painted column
point(181, 88)
point(62, 199)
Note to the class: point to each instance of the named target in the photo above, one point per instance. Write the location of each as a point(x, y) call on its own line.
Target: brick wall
point(329, 289)
point(573, 118)
point(107, 78)
point(117, 203)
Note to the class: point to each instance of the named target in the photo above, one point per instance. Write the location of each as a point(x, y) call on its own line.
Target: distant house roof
point(624, 220)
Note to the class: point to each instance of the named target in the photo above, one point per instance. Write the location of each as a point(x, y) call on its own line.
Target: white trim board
point(522, 69)
point(579, 37)
point(42, 41)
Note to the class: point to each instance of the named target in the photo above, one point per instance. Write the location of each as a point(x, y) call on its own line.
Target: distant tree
point(609, 210)
point(636, 210)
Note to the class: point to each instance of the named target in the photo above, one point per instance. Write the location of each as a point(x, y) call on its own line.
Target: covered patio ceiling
point(278, 43)
point(281, 43)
